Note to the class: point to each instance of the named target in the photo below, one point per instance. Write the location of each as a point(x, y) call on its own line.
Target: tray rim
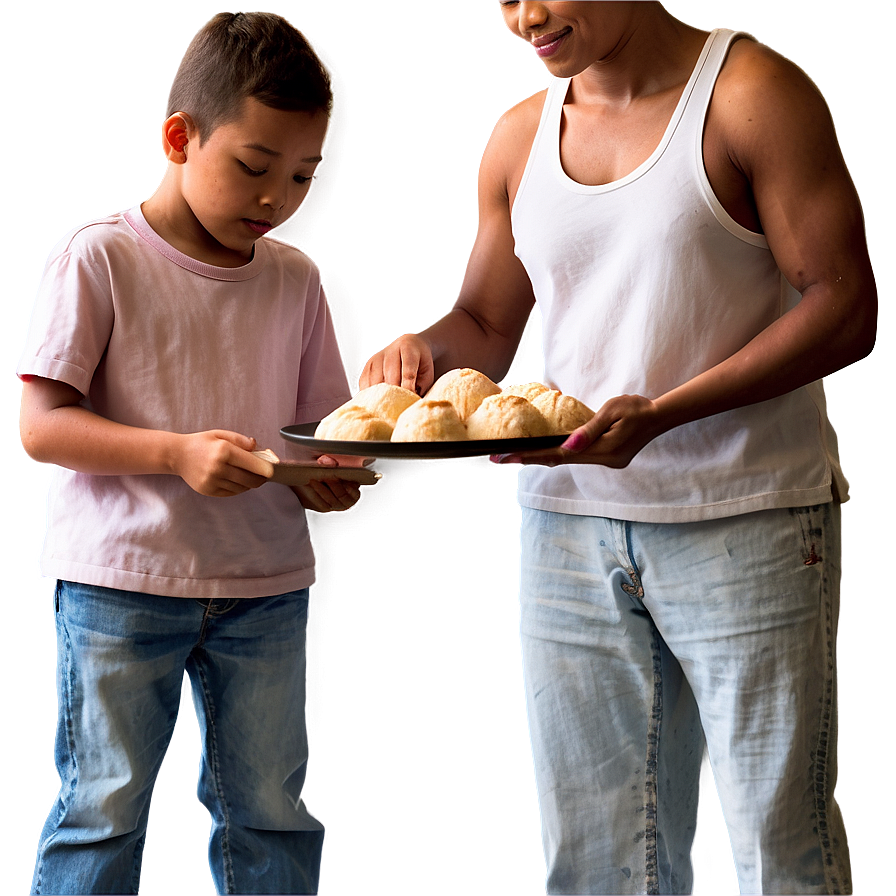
point(302, 434)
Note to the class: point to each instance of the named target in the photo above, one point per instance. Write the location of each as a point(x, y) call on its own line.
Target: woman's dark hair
point(240, 55)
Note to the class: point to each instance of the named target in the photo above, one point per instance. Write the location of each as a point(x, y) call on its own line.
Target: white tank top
point(642, 284)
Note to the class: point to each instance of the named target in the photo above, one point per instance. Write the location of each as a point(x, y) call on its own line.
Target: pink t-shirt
point(156, 339)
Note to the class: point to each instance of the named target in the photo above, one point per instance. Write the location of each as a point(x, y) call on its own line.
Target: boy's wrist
point(170, 452)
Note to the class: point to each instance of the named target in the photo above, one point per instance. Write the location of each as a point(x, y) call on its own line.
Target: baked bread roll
point(385, 400)
point(563, 412)
point(352, 423)
point(505, 416)
point(464, 388)
point(430, 421)
point(529, 391)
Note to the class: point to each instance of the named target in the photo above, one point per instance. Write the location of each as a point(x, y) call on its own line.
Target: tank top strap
point(691, 110)
point(544, 154)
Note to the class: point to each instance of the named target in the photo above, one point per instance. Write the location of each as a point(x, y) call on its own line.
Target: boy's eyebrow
point(260, 147)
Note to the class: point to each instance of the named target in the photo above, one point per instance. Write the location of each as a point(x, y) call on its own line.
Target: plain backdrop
point(420, 764)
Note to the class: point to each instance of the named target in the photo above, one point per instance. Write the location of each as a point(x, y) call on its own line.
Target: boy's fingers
point(311, 499)
point(248, 459)
point(259, 465)
point(328, 495)
point(247, 443)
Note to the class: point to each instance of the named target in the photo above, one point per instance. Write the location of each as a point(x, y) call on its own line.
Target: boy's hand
point(220, 464)
point(326, 495)
point(406, 362)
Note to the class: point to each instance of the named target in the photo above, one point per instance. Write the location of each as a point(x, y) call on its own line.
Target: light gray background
point(420, 762)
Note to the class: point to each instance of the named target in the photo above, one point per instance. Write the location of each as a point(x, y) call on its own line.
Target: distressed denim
point(643, 644)
point(121, 663)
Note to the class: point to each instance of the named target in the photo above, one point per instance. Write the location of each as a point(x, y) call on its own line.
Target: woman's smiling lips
point(548, 44)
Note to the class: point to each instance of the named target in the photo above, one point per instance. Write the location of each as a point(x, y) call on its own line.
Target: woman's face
point(571, 36)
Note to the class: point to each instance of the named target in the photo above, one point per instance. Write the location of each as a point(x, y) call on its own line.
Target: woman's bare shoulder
point(764, 103)
point(757, 78)
point(508, 147)
point(521, 120)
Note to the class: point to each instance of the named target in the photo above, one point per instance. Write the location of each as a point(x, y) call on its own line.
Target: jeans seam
point(67, 676)
point(212, 747)
point(138, 860)
point(831, 868)
point(651, 858)
point(203, 625)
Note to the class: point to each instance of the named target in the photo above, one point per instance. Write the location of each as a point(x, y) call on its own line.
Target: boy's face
point(248, 177)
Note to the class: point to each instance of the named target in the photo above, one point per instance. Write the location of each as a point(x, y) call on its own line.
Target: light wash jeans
point(121, 662)
point(641, 639)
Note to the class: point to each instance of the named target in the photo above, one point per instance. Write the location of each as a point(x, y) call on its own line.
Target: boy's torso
point(156, 342)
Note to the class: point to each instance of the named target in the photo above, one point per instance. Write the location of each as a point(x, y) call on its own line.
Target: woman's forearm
point(808, 343)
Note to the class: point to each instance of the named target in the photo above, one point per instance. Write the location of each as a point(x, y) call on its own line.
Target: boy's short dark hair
point(240, 55)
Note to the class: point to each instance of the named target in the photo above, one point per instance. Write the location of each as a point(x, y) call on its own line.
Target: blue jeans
point(641, 644)
point(121, 662)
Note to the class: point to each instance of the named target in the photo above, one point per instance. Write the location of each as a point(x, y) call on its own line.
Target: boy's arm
point(484, 328)
point(56, 428)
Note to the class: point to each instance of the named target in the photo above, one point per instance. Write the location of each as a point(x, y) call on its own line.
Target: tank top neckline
point(554, 109)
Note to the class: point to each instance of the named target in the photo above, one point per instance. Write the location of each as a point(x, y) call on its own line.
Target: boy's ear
point(177, 132)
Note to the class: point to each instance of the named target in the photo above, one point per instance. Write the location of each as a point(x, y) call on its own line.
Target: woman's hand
point(406, 362)
point(611, 438)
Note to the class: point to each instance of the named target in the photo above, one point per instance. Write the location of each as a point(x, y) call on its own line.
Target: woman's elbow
point(865, 323)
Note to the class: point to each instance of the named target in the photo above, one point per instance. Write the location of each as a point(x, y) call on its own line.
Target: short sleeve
point(323, 385)
point(71, 321)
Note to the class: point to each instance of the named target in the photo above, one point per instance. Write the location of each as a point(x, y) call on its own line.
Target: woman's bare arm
point(484, 328)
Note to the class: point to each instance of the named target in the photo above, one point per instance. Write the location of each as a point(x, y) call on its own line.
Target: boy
point(677, 204)
point(168, 342)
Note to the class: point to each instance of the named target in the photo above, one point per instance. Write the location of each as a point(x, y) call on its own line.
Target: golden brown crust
point(529, 391)
point(563, 412)
point(465, 388)
point(385, 400)
point(353, 423)
point(505, 416)
point(429, 420)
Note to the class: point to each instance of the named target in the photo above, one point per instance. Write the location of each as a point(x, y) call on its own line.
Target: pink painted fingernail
point(504, 458)
point(576, 442)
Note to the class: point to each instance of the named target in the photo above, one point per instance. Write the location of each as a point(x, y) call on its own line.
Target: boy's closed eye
point(258, 172)
point(253, 172)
